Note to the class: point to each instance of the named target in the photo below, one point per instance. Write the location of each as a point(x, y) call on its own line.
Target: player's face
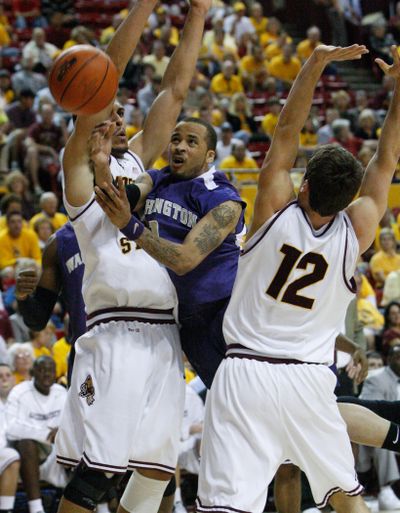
point(188, 153)
point(119, 140)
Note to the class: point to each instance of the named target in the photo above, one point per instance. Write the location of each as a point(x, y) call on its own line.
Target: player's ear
point(210, 156)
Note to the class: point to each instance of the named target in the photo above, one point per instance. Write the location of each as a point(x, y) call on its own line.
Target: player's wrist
point(134, 229)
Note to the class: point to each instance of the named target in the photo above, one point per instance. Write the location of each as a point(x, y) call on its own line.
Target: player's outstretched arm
point(366, 212)
point(37, 296)
point(77, 173)
point(275, 188)
point(203, 238)
point(161, 119)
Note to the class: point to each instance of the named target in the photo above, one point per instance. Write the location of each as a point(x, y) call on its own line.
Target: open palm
point(329, 53)
point(394, 69)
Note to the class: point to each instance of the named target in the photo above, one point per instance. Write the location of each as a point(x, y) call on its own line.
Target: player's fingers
point(111, 130)
point(122, 189)
point(395, 55)
point(383, 65)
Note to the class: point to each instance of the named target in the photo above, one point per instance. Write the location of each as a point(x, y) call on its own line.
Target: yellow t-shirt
point(131, 130)
point(160, 163)
point(250, 66)
point(272, 50)
point(366, 289)
point(308, 139)
point(383, 262)
point(61, 351)
point(305, 49)
point(57, 221)
point(269, 123)
point(19, 378)
point(220, 85)
point(284, 70)
point(189, 375)
point(260, 26)
point(4, 37)
point(40, 351)
point(26, 245)
point(368, 315)
point(231, 162)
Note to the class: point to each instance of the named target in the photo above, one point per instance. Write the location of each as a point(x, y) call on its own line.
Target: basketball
point(83, 80)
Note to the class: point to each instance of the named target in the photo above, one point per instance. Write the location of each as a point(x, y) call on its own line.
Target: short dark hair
point(211, 133)
point(26, 93)
point(7, 200)
point(334, 177)
point(13, 213)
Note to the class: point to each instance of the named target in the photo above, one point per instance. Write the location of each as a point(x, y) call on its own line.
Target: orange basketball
point(83, 80)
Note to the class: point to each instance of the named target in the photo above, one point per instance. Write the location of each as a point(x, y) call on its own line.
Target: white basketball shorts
point(259, 414)
point(126, 400)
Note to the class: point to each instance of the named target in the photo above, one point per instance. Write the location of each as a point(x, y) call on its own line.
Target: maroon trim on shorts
point(356, 491)
point(72, 219)
point(147, 464)
point(217, 509)
point(103, 466)
point(351, 285)
point(66, 461)
point(143, 320)
point(267, 228)
point(261, 358)
point(129, 309)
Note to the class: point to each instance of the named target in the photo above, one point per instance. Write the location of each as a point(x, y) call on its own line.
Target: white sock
point(102, 508)
point(178, 495)
point(143, 495)
point(7, 501)
point(35, 506)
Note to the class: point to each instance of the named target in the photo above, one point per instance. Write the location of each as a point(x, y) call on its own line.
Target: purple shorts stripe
point(125, 309)
point(72, 219)
point(144, 320)
point(103, 466)
point(146, 464)
point(356, 491)
point(217, 509)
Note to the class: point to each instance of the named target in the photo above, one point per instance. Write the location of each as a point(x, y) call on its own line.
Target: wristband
point(134, 229)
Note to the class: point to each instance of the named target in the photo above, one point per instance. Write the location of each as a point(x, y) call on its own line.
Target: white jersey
point(292, 288)
point(30, 414)
point(118, 275)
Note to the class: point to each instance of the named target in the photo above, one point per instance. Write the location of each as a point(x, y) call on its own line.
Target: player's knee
point(88, 487)
point(288, 472)
point(150, 473)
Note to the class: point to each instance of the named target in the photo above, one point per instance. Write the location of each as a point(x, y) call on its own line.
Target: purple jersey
point(176, 205)
point(72, 267)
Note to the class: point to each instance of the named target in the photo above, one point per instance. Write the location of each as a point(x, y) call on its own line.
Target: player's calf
point(144, 491)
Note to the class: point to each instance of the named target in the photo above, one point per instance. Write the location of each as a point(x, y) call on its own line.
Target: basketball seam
point(76, 73)
point(97, 90)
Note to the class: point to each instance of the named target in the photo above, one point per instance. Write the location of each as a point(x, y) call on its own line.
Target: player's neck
point(316, 220)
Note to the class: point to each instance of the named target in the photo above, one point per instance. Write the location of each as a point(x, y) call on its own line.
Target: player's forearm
point(127, 36)
point(297, 107)
point(343, 343)
point(389, 142)
point(182, 65)
point(168, 253)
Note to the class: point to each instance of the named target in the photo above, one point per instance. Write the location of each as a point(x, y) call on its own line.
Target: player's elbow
point(185, 265)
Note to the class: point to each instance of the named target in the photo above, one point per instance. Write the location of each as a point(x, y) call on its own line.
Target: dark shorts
point(202, 338)
point(389, 410)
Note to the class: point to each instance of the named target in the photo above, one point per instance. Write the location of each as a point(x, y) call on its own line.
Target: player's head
point(119, 140)
point(332, 179)
point(192, 148)
point(44, 373)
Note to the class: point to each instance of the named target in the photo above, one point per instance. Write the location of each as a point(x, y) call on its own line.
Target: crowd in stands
point(247, 64)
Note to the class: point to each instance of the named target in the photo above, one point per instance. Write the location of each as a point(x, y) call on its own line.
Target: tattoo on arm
point(208, 239)
point(143, 178)
point(225, 214)
point(162, 250)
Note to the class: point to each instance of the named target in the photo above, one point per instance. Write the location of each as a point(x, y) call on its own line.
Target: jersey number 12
point(290, 294)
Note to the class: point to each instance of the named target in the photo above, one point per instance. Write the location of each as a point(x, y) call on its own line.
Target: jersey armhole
point(75, 212)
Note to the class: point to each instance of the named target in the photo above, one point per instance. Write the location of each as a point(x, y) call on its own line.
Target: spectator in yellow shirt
point(306, 47)
point(226, 83)
point(18, 242)
point(10, 203)
point(270, 120)
point(272, 32)
point(42, 340)
point(387, 259)
point(387, 221)
point(48, 204)
point(254, 63)
point(285, 67)
point(239, 160)
point(258, 19)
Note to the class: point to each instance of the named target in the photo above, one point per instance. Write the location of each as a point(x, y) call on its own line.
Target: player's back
point(293, 287)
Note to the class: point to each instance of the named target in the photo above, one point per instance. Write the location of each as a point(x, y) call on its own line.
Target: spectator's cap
point(226, 127)
point(4, 73)
point(274, 100)
point(27, 93)
point(239, 6)
point(161, 10)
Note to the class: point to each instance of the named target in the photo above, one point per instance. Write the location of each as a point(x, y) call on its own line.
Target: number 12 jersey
point(292, 289)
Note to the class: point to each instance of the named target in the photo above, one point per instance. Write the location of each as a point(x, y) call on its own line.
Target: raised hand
point(328, 53)
point(394, 69)
point(100, 143)
point(114, 202)
point(26, 282)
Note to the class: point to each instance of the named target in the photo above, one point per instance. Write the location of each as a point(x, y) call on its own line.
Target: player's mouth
point(177, 161)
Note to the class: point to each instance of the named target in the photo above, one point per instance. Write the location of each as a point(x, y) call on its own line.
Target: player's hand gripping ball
point(83, 80)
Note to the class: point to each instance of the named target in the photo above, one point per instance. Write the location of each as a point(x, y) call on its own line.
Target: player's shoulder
point(214, 180)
